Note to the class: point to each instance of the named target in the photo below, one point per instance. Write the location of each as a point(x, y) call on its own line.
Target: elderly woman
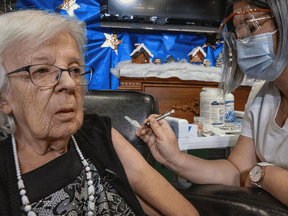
point(51, 164)
point(256, 33)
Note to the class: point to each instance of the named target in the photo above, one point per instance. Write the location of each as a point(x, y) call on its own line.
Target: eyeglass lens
point(248, 27)
point(245, 29)
point(243, 22)
point(47, 75)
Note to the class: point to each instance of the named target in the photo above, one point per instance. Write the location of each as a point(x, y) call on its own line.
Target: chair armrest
point(224, 200)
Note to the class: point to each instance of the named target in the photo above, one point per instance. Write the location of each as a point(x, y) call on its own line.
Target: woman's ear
point(5, 106)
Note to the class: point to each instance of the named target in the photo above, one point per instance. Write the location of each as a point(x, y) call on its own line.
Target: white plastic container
point(229, 108)
point(212, 106)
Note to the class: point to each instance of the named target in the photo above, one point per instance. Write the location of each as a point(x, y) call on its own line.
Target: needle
point(160, 117)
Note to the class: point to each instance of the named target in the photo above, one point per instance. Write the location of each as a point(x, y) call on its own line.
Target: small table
point(209, 142)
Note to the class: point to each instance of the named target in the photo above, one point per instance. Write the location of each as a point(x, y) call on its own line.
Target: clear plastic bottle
point(229, 108)
point(212, 106)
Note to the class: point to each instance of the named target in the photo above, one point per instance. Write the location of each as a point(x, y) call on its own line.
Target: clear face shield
point(244, 23)
point(250, 35)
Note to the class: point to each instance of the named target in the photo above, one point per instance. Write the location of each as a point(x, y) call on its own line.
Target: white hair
point(27, 29)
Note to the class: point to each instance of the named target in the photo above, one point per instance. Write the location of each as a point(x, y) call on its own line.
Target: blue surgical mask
point(256, 57)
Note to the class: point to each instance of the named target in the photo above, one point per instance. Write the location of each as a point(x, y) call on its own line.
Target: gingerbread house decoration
point(197, 55)
point(141, 54)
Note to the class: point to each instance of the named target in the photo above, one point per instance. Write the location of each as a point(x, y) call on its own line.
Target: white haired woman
point(51, 164)
point(256, 33)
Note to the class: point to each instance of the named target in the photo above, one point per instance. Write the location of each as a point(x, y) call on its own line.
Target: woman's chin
point(60, 129)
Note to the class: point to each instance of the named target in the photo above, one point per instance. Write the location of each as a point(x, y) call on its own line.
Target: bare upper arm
point(130, 158)
point(244, 156)
point(158, 197)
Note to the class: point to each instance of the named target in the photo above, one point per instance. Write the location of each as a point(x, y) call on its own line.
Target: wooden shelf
point(181, 95)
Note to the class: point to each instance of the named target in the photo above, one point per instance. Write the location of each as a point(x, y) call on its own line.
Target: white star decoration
point(111, 41)
point(69, 6)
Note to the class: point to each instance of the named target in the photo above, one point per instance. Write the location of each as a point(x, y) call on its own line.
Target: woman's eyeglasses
point(246, 27)
point(45, 75)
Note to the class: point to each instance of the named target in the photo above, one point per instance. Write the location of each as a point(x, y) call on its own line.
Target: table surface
point(208, 142)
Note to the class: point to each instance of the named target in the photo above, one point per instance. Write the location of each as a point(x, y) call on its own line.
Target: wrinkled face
point(45, 112)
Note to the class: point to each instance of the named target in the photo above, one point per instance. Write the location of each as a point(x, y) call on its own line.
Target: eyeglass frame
point(249, 32)
point(241, 13)
point(27, 69)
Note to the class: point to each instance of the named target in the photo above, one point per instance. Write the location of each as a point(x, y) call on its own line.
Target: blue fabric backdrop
point(161, 44)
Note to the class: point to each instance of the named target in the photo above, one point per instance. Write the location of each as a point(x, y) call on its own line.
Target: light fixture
point(126, 2)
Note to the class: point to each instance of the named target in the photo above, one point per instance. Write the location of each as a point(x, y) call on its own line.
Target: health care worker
point(256, 33)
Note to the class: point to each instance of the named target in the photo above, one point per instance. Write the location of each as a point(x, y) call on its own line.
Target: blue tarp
point(160, 44)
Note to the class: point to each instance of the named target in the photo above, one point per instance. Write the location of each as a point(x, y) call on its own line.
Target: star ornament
point(111, 41)
point(69, 6)
point(206, 45)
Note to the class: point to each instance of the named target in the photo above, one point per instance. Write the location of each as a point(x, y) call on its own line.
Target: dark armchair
point(209, 200)
point(116, 105)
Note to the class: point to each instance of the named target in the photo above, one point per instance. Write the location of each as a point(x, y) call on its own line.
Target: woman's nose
point(65, 80)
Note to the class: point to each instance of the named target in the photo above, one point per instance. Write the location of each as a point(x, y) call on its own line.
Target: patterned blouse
point(60, 188)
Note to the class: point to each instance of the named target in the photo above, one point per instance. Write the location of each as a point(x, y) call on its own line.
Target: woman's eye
point(41, 70)
point(253, 28)
point(76, 70)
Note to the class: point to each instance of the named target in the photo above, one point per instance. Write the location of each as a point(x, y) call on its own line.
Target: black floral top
point(64, 189)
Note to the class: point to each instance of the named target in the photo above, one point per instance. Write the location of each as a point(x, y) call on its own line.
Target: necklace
point(21, 186)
